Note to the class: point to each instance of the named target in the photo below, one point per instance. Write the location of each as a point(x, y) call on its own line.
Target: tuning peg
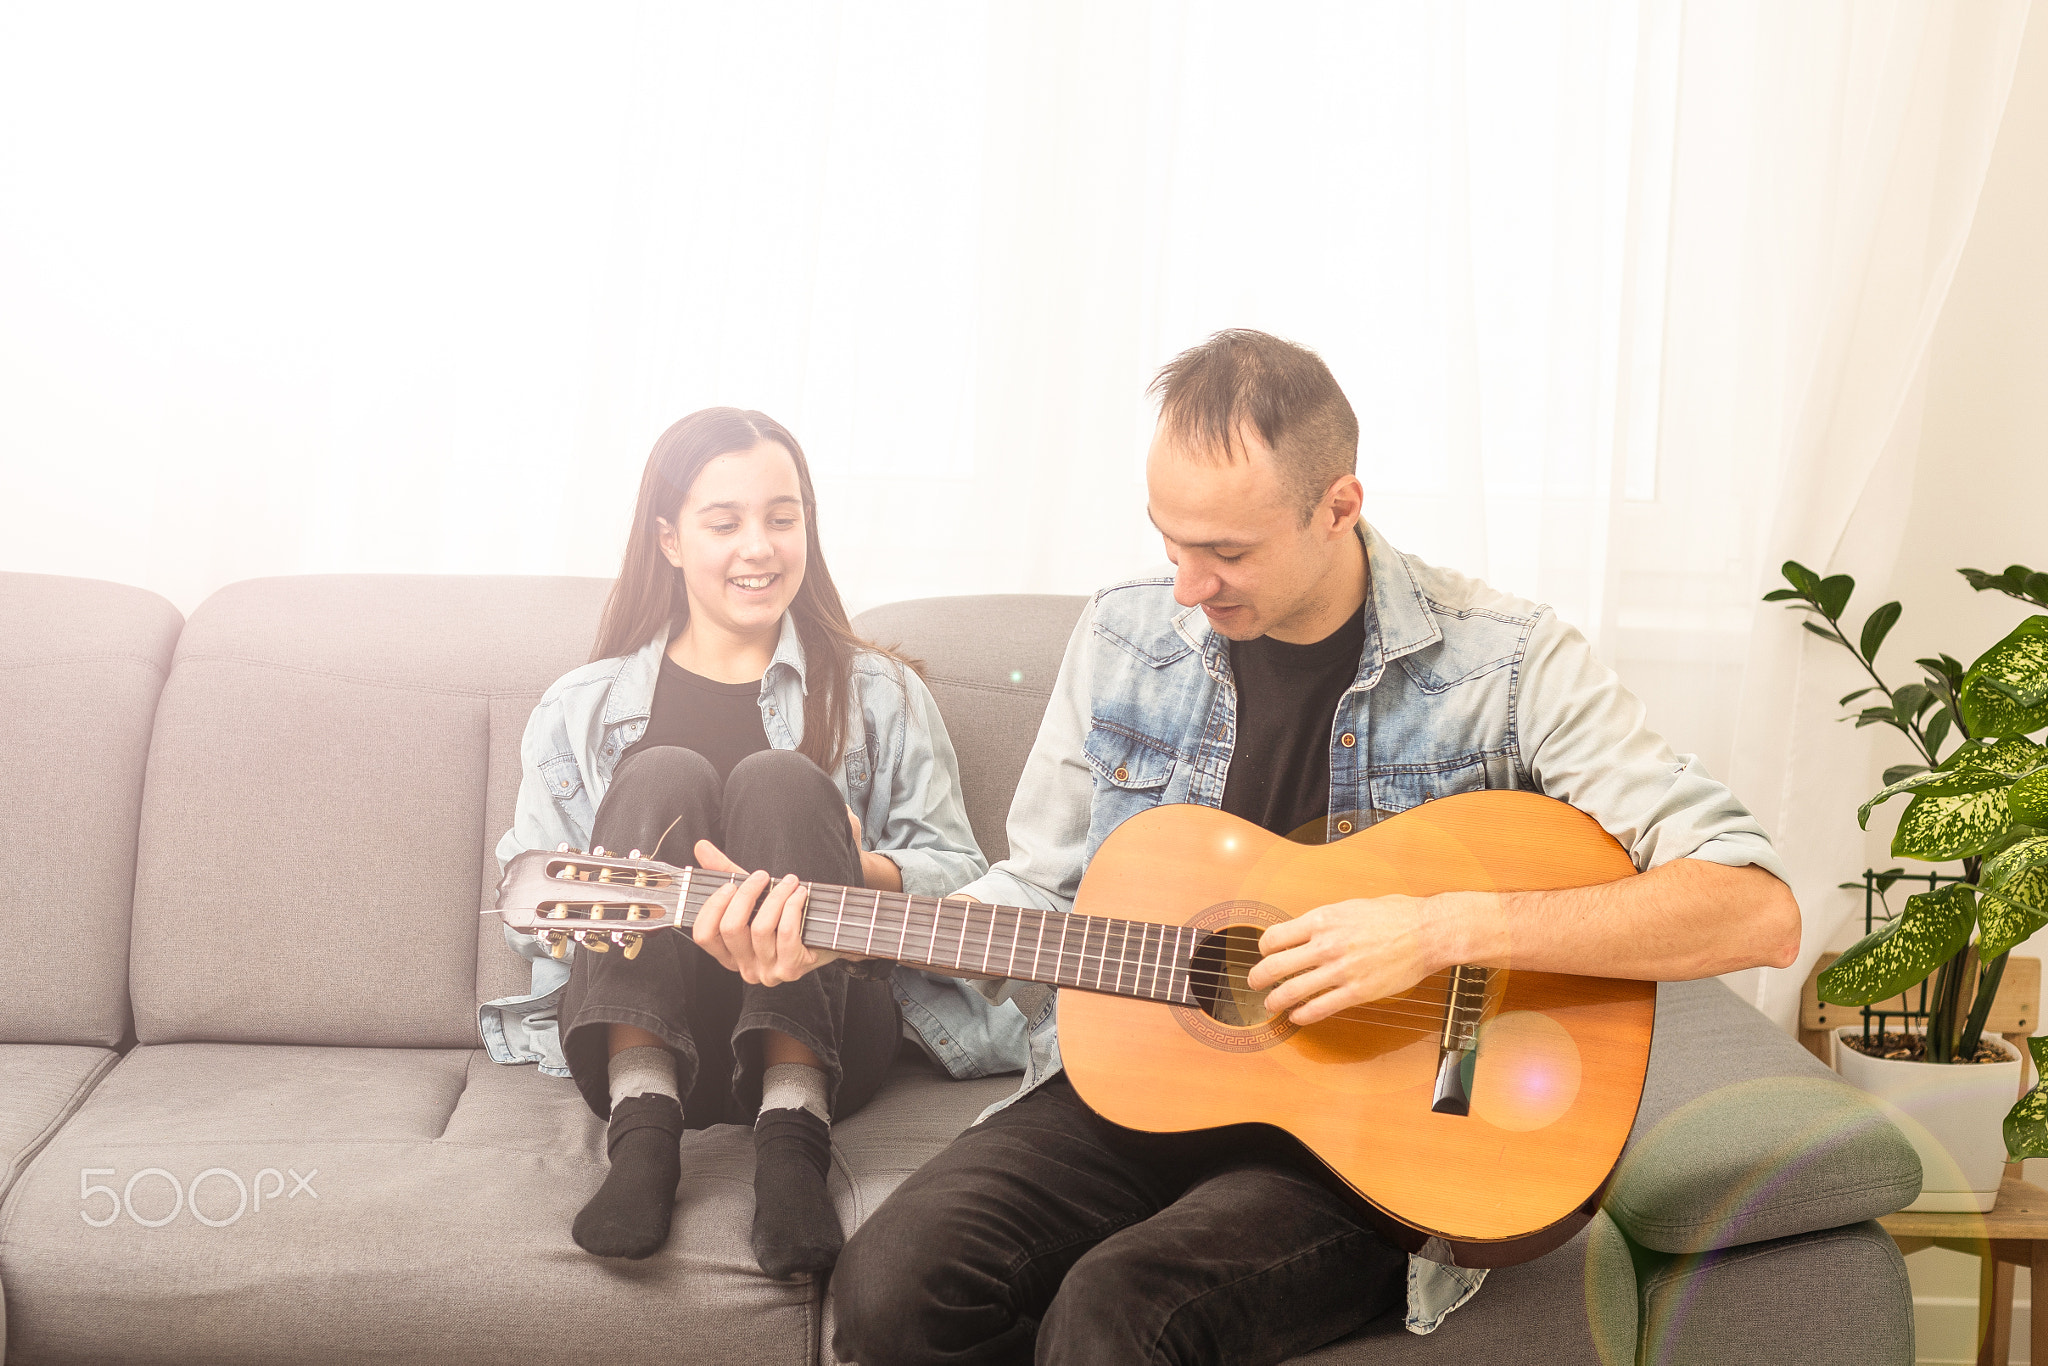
point(598, 851)
point(557, 942)
point(562, 848)
point(633, 853)
point(631, 943)
point(594, 942)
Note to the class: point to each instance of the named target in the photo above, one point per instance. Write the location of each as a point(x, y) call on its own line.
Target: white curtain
point(288, 289)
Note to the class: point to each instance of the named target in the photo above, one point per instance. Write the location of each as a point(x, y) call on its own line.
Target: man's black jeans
point(777, 810)
point(1047, 1231)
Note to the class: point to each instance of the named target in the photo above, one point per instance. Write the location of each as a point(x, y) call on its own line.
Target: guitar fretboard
point(975, 938)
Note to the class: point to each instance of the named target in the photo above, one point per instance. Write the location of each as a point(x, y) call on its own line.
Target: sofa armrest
point(1744, 1137)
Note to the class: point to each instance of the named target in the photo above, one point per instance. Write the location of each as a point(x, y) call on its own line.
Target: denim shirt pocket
point(859, 768)
point(563, 778)
point(1400, 787)
point(1131, 772)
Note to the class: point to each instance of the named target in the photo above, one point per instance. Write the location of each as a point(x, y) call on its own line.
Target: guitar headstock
point(596, 900)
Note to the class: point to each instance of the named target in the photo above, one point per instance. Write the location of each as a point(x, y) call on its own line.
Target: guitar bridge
point(1464, 1003)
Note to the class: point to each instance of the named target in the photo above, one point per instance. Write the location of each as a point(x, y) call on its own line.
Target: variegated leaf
point(2026, 1124)
point(1935, 829)
point(2010, 756)
point(1995, 691)
point(2014, 900)
point(2002, 923)
point(1938, 782)
point(1933, 927)
point(2028, 798)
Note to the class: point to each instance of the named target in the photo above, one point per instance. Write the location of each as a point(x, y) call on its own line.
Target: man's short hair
point(1208, 392)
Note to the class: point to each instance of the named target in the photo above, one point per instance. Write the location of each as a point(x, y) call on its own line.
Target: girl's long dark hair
point(649, 593)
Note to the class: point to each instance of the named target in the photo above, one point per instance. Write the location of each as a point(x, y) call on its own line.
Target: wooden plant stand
point(2014, 1233)
point(2015, 1230)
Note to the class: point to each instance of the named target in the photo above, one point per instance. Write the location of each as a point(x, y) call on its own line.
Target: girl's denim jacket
point(898, 774)
point(1459, 688)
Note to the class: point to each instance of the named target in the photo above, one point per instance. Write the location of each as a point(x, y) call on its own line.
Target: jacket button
point(1343, 827)
point(1347, 739)
point(1123, 775)
point(771, 711)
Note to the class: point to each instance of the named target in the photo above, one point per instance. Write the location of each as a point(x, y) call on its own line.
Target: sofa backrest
point(81, 664)
point(990, 661)
point(334, 758)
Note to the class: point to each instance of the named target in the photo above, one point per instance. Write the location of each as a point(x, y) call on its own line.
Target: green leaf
point(2020, 664)
point(2026, 1124)
point(2009, 917)
point(1851, 697)
point(1944, 782)
point(2036, 586)
point(1898, 771)
point(1834, 594)
point(1823, 632)
point(1781, 594)
point(1801, 578)
point(1886, 878)
point(1934, 926)
point(1937, 729)
point(1909, 701)
point(1875, 629)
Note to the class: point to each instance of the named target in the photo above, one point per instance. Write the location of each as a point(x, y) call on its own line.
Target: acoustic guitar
point(1483, 1107)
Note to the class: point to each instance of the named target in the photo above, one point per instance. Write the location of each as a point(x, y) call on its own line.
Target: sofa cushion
point(1743, 1136)
point(333, 761)
point(990, 661)
point(433, 1224)
point(81, 664)
point(46, 1082)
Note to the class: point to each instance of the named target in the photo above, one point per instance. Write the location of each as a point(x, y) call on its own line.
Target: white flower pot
point(1954, 1116)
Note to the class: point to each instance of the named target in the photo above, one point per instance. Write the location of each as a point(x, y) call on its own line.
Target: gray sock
point(794, 1086)
point(643, 1071)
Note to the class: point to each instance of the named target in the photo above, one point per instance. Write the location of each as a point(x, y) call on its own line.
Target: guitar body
point(1554, 1081)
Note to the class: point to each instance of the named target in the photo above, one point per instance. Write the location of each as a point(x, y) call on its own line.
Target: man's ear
point(1343, 503)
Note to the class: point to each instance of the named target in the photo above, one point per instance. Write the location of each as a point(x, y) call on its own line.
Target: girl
point(730, 719)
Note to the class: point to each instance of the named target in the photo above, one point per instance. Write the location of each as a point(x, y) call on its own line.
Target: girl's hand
point(755, 926)
point(878, 871)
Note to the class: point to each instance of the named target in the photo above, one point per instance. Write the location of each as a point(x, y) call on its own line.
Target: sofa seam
point(34, 1151)
point(119, 657)
point(1005, 689)
point(391, 684)
point(1746, 1252)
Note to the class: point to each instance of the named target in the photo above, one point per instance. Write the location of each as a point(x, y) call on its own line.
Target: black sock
point(796, 1229)
point(628, 1217)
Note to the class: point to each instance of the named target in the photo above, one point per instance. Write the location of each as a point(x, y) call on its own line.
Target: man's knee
point(879, 1297)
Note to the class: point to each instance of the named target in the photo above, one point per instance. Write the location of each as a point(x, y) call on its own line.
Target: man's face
point(1235, 536)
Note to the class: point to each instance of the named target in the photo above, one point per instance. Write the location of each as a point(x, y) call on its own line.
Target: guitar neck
point(962, 938)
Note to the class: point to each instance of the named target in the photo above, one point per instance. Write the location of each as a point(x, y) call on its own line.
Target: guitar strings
point(824, 914)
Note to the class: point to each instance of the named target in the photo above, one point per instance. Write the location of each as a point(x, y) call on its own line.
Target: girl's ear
point(671, 542)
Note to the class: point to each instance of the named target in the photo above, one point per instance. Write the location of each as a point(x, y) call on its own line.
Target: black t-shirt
point(721, 721)
point(1286, 704)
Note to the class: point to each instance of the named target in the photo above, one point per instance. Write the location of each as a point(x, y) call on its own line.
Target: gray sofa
point(244, 1118)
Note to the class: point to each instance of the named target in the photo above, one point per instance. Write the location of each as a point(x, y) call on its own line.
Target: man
point(1298, 671)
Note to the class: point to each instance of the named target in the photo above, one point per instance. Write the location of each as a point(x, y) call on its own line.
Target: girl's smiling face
point(739, 540)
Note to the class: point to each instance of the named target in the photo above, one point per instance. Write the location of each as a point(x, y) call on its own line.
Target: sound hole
point(1216, 977)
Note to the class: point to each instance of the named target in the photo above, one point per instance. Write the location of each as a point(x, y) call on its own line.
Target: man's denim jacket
point(898, 774)
point(1459, 688)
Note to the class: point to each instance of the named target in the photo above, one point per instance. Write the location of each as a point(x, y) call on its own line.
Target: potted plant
point(1983, 802)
